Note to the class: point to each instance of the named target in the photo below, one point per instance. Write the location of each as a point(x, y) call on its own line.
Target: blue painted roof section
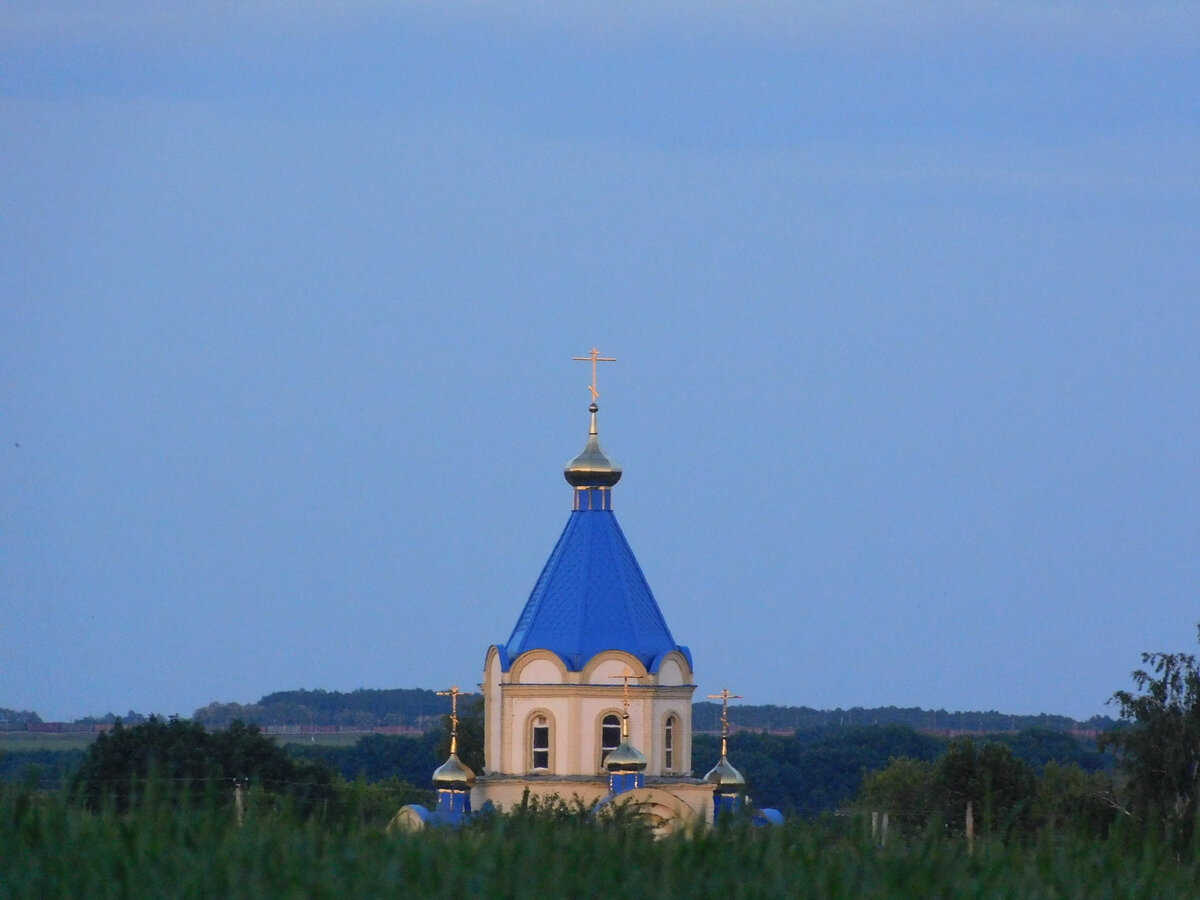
point(591, 596)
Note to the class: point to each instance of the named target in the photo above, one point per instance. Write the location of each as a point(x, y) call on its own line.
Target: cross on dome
point(626, 758)
point(595, 357)
point(724, 697)
point(625, 676)
point(592, 468)
point(453, 695)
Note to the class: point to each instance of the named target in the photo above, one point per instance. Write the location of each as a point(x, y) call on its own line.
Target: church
point(590, 698)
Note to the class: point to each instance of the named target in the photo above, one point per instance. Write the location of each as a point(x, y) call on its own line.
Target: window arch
point(541, 742)
point(610, 735)
point(670, 734)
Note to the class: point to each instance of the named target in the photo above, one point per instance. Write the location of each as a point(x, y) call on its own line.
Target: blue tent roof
point(592, 596)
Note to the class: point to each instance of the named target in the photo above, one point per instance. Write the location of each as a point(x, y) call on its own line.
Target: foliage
point(130, 718)
point(807, 774)
point(363, 708)
point(562, 816)
point(359, 804)
point(120, 765)
point(1005, 792)
point(1040, 746)
point(375, 757)
point(706, 717)
point(40, 767)
point(1070, 797)
point(999, 786)
point(49, 847)
point(821, 771)
point(419, 708)
point(18, 717)
point(906, 790)
point(1159, 751)
point(814, 772)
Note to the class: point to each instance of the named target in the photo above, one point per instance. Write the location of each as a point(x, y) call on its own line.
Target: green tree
point(999, 786)
point(377, 757)
point(18, 716)
point(1159, 751)
point(1070, 798)
point(905, 790)
point(813, 772)
point(1039, 746)
point(122, 764)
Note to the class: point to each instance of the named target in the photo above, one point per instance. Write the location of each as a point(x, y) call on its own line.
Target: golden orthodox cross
point(626, 675)
point(724, 697)
point(453, 695)
point(595, 357)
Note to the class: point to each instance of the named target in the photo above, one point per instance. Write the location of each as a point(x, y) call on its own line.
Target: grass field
point(30, 740)
point(50, 848)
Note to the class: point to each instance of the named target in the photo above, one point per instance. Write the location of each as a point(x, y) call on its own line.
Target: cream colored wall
point(671, 672)
point(493, 731)
point(682, 711)
point(522, 711)
point(541, 671)
point(507, 793)
point(609, 669)
point(684, 801)
point(575, 703)
point(593, 709)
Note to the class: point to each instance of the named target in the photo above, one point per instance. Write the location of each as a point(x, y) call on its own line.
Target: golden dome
point(626, 758)
point(724, 776)
point(592, 467)
point(452, 773)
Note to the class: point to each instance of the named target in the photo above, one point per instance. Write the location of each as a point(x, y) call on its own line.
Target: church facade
point(590, 653)
point(590, 698)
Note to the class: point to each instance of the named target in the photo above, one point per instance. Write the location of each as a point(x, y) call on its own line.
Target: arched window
point(539, 741)
point(610, 735)
point(669, 743)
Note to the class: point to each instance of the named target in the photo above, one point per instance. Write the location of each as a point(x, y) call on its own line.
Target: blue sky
point(903, 296)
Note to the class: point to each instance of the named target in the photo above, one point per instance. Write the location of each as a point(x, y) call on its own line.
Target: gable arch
point(607, 665)
point(672, 669)
point(538, 667)
point(665, 812)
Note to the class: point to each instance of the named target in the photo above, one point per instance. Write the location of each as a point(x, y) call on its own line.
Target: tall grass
point(50, 847)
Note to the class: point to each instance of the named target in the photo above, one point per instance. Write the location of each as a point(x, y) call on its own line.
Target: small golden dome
point(592, 467)
point(452, 773)
point(626, 758)
point(724, 776)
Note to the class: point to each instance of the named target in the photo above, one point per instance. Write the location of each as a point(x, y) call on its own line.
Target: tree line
point(804, 774)
point(415, 707)
point(1019, 782)
point(421, 709)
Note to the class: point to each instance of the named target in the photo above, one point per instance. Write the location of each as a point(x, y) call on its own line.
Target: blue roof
point(591, 597)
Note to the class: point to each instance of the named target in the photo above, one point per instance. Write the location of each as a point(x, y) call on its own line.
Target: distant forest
point(414, 708)
point(421, 710)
